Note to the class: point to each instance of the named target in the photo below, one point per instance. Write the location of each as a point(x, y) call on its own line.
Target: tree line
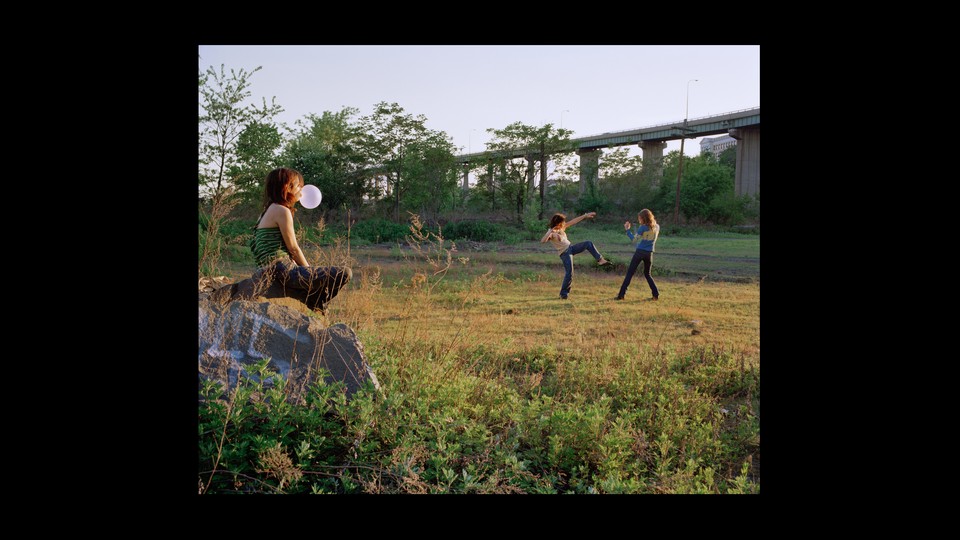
point(389, 162)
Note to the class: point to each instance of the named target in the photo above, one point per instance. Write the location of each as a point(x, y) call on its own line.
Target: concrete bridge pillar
point(748, 160)
point(466, 177)
point(653, 160)
point(589, 168)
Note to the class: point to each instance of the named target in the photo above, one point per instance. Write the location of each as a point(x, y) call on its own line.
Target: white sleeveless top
point(562, 244)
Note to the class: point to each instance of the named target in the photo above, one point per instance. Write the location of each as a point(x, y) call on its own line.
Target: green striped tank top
point(267, 245)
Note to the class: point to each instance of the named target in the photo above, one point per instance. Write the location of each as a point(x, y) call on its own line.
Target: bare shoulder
point(276, 215)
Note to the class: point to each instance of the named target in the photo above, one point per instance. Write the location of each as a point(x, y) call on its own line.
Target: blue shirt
point(646, 237)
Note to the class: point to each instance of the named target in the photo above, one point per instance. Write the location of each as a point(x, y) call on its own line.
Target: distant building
point(716, 145)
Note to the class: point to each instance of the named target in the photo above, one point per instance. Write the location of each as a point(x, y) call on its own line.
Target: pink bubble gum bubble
point(310, 196)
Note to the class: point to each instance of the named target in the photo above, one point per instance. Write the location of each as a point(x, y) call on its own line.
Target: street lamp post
point(470, 139)
point(683, 137)
point(561, 117)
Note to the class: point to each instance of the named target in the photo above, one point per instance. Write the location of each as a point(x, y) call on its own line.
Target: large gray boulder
point(240, 333)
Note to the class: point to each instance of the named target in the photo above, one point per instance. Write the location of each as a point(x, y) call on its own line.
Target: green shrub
point(534, 228)
point(673, 423)
point(258, 442)
point(232, 229)
point(380, 230)
point(478, 231)
point(730, 209)
point(357, 241)
point(237, 253)
point(745, 229)
point(328, 234)
point(593, 203)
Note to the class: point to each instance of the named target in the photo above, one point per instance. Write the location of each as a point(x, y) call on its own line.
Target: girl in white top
point(557, 236)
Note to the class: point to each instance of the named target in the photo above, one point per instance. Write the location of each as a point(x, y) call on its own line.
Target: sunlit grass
point(509, 298)
point(521, 314)
point(492, 384)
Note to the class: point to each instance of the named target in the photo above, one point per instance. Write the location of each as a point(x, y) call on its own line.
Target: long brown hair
point(646, 217)
point(557, 219)
point(278, 186)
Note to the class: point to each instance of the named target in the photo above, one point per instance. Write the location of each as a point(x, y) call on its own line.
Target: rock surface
point(235, 335)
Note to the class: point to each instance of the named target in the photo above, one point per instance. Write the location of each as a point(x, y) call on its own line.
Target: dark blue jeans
point(567, 258)
point(314, 286)
point(647, 258)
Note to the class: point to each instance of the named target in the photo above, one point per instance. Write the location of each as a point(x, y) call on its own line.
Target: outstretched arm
point(576, 220)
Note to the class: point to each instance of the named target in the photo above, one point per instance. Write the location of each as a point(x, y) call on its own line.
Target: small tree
point(728, 157)
point(705, 179)
point(223, 119)
point(624, 188)
point(536, 142)
point(432, 174)
point(257, 149)
point(386, 136)
point(325, 149)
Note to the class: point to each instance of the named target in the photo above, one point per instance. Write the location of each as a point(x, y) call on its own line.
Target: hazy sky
point(465, 89)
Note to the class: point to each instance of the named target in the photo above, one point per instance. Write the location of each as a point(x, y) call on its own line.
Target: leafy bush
point(593, 203)
point(562, 424)
point(237, 253)
point(380, 230)
point(357, 241)
point(246, 441)
point(328, 234)
point(535, 228)
point(669, 229)
point(235, 228)
point(729, 209)
point(479, 231)
point(700, 188)
point(745, 229)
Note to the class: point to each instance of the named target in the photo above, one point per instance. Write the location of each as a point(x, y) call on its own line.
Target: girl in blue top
point(646, 238)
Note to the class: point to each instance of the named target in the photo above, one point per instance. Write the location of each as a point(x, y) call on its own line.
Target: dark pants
point(567, 258)
point(314, 286)
point(647, 258)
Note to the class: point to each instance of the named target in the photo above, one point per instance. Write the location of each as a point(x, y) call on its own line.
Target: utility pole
point(683, 137)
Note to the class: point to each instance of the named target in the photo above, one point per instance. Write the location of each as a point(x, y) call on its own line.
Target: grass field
point(492, 384)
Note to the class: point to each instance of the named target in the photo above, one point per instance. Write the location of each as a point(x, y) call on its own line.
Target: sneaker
point(563, 297)
point(655, 298)
point(618, 298)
